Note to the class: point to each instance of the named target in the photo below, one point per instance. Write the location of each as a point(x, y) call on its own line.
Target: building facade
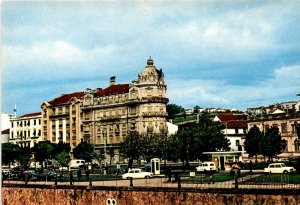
point(235, 129)
point(109, 114)
point(61, 119)
point(26, 130)
point(287, 124)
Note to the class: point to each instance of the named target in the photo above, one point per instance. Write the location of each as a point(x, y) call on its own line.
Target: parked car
point(279, 168)
point(206, 166)
point(137, 173)
point(63, 168)
point(6, 174)
point(76, 163)
point(32, 175)
point(16, 173)
point(49, 176)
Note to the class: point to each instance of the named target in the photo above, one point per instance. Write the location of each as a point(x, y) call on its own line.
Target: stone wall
point(82, 195)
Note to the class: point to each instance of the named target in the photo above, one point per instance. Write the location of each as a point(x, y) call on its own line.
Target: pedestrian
point(211, 176)
point(79, 174)
point(87, 174)
point(118, 168)
point(250, 166)
point(71, 178)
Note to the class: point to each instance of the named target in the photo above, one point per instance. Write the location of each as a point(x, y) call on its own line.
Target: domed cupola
point(150, 74)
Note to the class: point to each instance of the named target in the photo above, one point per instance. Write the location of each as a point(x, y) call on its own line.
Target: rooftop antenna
point(15, 110)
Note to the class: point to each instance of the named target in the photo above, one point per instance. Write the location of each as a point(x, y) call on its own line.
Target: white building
point(235, 128)
point(5, 121)
point(26, 130)
point(4, 136)
point(172, 128)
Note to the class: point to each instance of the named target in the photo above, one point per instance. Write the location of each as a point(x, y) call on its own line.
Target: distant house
point(297, 106)
point(189, 111)
point(4, 136)
point(235, 128)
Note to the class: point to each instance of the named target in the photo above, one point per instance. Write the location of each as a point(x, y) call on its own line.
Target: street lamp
point(105, 138)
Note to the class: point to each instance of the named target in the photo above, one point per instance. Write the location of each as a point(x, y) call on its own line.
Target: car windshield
point(283, 165)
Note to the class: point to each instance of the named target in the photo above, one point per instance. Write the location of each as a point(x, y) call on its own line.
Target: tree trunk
point(130, 163)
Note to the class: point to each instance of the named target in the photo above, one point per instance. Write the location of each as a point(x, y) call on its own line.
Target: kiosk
point(155, 166)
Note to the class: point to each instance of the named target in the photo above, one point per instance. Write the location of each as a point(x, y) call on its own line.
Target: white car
point(206, 166)
point(137, 173)
point(76, 163)
point(279, 168)
point(63, 168)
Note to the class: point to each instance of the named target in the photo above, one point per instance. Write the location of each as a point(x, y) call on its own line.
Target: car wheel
point(128, 178)
point(147, 177)
point(285, 171)
point(270, 172)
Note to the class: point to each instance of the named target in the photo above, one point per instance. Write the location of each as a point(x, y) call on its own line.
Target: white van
point(206, 166)
point(76, 163)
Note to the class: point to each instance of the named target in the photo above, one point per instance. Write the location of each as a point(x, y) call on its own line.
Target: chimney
point(112, 80)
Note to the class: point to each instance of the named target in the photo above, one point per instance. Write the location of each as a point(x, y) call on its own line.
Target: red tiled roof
point(237, 124)
point(5, 132)
point(231, 117)
point(65, 98)
point(113, 90)
point(31, 114)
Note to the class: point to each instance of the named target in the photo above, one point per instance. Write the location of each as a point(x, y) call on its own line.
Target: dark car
point(6, 174)
point(16, 173)
point(31, 175)
point(54, 175)
point(49, 176)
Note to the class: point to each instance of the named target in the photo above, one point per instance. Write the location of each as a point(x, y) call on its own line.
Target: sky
point(222, 54)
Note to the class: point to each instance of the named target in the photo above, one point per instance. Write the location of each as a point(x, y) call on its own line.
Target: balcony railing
point(154, 114)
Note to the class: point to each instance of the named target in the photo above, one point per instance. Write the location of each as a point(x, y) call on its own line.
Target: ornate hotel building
point(104, 117)
point(110, 114)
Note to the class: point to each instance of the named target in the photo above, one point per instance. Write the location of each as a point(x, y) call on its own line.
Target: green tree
point(98, 155)
point(62, 147)
point(252, 142)
point(42, 151)
point(272, 144)
point(191, 141)
point(10, 153)
point(111, 153)
point(84, 151)
point(63, 158)
point(196, 108)
point(24, 157)
point(173, 110)
point(132, 147)
point(152, 146)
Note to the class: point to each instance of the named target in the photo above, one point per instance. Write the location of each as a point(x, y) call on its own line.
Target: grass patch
point(217, 177)
point(276, 178)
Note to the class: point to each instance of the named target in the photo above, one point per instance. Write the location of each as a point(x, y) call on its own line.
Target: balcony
point(59, 114)
point(154, 114)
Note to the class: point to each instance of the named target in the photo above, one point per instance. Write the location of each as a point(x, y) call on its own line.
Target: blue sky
point(228, 54)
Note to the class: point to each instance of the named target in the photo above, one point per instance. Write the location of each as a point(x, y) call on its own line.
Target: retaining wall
point(82, 195)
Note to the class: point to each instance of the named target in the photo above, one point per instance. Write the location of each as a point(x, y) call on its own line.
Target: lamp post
point(105, 138)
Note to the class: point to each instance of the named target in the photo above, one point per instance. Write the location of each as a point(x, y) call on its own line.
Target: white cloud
point(207, 93)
